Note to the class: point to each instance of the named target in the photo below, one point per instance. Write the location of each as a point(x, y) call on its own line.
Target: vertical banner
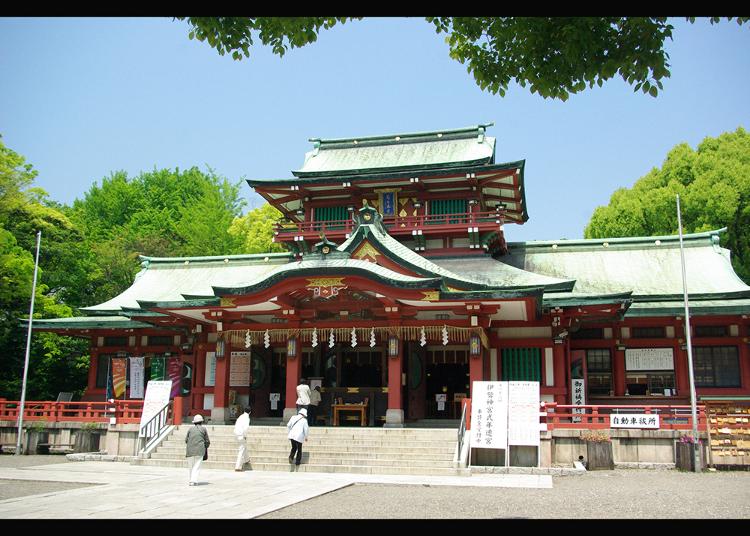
point(109, 393)
point(119, 376)
point(210, 376)
point(157, 368)
point(136, 377)
point(174, 368)
point(578, 388)
point(489, 415)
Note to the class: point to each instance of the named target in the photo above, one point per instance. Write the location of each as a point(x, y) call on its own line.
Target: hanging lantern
point(266, 339)
point(393, 346)
point(354, 337)
point(475, 345)
point(372, 337)
point(445, 335)
point(331, 340)
point(291, 347)
point(315, 337)
point(248, 339)
point(422, 337)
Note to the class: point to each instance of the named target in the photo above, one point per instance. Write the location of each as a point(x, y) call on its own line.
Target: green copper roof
point(87, 322)
point(169, 279)
point(425, 150)
point(649, 267)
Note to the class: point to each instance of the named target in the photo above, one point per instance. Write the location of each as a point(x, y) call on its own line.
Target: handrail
point(463, 425)
point(152, 430)
point(461, 218)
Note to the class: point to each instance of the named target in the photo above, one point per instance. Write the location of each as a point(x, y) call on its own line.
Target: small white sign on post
point(157, 396)
point(441, 399)
point(634, 420)
point(274, 398)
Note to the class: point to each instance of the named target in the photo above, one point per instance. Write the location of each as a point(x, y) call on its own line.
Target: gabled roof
point(394, 152)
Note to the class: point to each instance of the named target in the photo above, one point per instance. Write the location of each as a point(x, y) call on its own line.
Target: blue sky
point(82, 98)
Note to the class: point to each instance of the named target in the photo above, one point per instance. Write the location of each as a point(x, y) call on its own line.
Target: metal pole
point(694, 413)
point(28, 348)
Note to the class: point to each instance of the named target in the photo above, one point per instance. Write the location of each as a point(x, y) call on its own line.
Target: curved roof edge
point(618, 241)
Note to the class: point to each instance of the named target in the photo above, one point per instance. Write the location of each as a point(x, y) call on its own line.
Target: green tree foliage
point(163, 213)
point(554, 56)
point(713, 183)
point(23, 211)
point(256, 228)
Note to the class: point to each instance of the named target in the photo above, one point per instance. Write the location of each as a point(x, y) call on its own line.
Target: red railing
point(483, 220)
point(597, 417)
point(125, 411)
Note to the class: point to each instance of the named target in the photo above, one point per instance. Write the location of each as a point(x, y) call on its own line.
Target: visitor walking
point(313, 407)
point(197, 447)
point(303, 394)
point(241, 427)
point(298, 430)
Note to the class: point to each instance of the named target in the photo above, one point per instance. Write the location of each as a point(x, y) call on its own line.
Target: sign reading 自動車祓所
point(634, 420)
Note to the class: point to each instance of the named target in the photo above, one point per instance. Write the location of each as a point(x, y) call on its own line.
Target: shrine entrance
point(446, 381)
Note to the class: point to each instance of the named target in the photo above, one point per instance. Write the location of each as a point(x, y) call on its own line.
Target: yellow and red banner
point(119, 375)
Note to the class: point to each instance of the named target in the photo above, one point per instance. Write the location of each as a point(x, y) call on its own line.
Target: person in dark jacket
point(197, 443)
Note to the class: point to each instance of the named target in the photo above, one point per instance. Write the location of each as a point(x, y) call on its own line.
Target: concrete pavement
point(125, 491)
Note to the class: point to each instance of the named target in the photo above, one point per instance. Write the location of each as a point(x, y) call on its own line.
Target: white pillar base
point(394, 418)
point(219, 416)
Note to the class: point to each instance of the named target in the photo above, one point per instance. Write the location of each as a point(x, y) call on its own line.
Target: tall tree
point(255, 230)
point(714, 187)
point(554, 56)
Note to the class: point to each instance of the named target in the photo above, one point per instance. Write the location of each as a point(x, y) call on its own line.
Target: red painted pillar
point(558, 358)
point(476, 370)
point(220, 413)
point(177, 410)
point(394, 415)
point(293, 376)
point(618, 371)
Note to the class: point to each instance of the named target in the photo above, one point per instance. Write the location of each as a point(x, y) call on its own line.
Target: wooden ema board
point(729, 433)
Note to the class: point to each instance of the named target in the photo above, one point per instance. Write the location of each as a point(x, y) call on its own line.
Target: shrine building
point(402, 285)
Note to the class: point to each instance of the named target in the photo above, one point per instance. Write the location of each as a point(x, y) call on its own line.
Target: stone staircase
point(400, 451)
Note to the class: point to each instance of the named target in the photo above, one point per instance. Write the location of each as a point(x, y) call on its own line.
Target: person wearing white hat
point(298, 430)
point(196, 450)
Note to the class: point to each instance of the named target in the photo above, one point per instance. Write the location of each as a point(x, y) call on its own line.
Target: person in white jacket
point(241, 427)
point(303, 394)
point(298, 430)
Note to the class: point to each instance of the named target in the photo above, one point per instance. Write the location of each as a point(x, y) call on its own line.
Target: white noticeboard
point(210, 369)
point(523, 413)
point(489, 415)
point(649, 359)
point(157, 396)
point(239, 369)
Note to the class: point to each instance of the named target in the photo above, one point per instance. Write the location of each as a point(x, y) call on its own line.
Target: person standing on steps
point(298, 430)
point(303, 394)
point(313, 407)
point(241, 426)
point(196, 449)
